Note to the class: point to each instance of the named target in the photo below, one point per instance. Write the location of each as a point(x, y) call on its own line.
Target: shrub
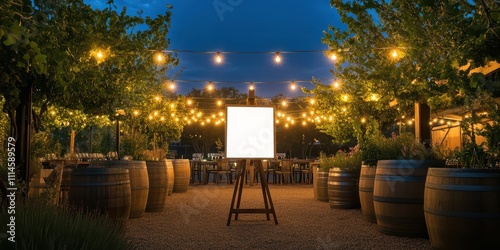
point(348, 160)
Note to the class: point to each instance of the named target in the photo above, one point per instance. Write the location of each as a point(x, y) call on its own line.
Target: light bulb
point(277, 59)
point(293, 86)
point(333, 57)
point(394, 54)
point(218, 58)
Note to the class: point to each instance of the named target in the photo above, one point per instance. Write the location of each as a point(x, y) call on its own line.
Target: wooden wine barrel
point(320, 184)
point(139, 182)
point(106, 190)
point(462, 208)
point(343, 188)
point(398, 196)
point(182, 175)
point(170, 177)
point(158, 186)
point(366, 180)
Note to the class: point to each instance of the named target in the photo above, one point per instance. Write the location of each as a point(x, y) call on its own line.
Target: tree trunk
point(72, 142)
point(23, 135)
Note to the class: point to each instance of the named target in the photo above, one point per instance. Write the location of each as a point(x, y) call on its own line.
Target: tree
point(67, 54)
point(411, 51)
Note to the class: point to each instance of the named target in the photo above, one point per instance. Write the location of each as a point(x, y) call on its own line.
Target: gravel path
point(197, 220)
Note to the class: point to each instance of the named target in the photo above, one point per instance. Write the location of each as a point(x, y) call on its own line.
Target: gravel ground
point(197, 220)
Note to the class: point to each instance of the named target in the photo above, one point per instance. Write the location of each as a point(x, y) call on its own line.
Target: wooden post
point(117, 138)
point(422, 118)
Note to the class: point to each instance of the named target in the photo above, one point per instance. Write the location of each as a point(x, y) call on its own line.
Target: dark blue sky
point(250, 26)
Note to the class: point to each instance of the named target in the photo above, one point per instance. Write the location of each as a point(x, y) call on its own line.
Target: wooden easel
point(238, 189)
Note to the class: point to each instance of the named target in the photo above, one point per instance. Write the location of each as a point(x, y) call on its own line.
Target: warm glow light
point(219, 102)
point(251, 87)
point(221, 113)
point(441, 121)
point(189, 102)
point(155, 113)
point(172, 85)
point(136, 113)
point(304, 123)
point(336, 84)
point(394, 54)
point(157, 98)
point(53, 113)
point(333, 57)
point(312, 101)
point(363, 120)
point(277, 58)
point(345, 98)
point(210, 86)
point(218, 58)
point(410, 122)
point(159, 57)
point(172, 105)
point(293, 86)
point(99, 55)
point(283, 103)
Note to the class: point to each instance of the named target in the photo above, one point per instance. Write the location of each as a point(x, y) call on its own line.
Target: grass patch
point(40, 226)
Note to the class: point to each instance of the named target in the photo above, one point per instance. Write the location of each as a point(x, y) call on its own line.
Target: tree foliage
point(72, 56)
point(409, 51)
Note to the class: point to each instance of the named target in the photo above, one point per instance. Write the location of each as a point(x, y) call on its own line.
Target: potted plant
point(462, 205)
point(343, 177)
point(398, 192)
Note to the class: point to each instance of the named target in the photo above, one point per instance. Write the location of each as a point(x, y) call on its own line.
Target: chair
point(285, 171)
point(195, 170)
point(221, 169)
point(270, 167)
point(306, 172)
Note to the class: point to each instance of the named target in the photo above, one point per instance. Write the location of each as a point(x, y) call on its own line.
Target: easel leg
point(242, 182)
point(234, 197)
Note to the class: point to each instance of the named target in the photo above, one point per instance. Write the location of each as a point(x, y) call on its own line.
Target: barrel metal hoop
point(470, 188)
point(95, 184)
point(460, 214)
point(397, 200)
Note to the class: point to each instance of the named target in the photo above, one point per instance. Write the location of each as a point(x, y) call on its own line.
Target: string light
point(218, 58)
point(394, 54)
point(210, 86)
point(333, 56)
point(336, 84)
point(171, 86)
point(277, 58)
point(159, 57)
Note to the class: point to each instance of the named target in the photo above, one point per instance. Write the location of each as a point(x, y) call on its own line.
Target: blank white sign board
point(250, 132)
